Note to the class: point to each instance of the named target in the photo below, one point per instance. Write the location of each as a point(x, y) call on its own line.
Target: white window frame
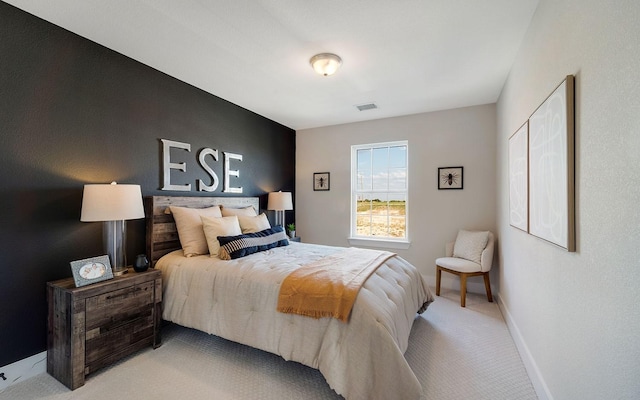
point(362, 240)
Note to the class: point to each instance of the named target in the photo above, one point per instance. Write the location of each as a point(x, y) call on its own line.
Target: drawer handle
point(124, 294)
point(119, 324)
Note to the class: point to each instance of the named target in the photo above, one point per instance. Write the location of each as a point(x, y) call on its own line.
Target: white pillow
point(469, 245)
point(214, 227)
point(248, 211)
point(253, 224)
point(189, 226)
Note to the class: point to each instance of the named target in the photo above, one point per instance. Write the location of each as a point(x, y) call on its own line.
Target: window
point(379, 191)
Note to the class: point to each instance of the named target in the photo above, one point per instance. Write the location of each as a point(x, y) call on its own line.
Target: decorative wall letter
point(167, 165)
point(228, 172)
point(214, 178)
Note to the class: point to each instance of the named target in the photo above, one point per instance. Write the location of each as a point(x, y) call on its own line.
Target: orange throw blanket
point(328, 287)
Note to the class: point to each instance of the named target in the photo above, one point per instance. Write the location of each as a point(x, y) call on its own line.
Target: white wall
point(463, 137)
point(578, 313)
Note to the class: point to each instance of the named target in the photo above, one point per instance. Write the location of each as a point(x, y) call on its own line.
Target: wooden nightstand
point(92, 326)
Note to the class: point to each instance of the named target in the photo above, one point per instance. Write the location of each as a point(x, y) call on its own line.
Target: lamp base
point(120, 271)
point(114, 236)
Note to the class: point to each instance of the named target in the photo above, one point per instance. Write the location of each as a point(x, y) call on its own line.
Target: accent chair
point(470, 255)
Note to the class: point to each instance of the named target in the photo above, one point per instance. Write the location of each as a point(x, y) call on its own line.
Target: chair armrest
point(486, 258)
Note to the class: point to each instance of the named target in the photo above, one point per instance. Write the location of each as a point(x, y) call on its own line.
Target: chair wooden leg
point(463, 289)
point(487, 286)
point(438, 276)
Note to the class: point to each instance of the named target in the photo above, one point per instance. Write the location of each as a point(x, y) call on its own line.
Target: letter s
point(214, 178)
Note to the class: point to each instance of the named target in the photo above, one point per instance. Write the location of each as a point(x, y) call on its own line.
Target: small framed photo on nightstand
point(91, 270)
point(321, 181)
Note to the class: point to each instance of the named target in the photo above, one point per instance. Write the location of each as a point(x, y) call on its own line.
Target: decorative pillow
point(189, 226)
point(223, 226)
point(253, 224)
point(232, 247)
point(248, 211)
point(470, 244)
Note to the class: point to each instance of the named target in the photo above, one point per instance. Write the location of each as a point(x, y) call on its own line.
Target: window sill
point(390, 244)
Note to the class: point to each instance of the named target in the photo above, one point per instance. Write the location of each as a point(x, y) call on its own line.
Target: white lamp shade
point(279, 201)
point(111, 202)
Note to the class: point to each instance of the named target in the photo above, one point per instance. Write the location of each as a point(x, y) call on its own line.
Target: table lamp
point(112, 204)
point(279, 201)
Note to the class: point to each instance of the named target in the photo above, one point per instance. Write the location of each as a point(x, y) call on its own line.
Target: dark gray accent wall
point(74, 112)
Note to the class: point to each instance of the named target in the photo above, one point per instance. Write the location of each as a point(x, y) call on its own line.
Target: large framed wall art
point(518, 178)
point(551, 168)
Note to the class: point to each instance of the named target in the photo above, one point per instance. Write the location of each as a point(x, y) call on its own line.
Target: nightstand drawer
point(103, 342)
point(117, 320)
point(109, 310)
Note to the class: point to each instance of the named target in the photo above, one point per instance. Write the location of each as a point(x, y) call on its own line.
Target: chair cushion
point(458, 264)
point(469, 245)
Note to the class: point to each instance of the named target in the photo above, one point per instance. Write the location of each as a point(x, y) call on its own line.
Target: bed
point(237, 300)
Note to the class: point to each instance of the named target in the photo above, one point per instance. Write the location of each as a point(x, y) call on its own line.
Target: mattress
point(237, 299)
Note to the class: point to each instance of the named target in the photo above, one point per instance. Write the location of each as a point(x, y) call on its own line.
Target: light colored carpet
point(456, 353)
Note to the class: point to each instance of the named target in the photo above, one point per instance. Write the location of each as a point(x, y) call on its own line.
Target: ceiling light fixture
point(325, 63)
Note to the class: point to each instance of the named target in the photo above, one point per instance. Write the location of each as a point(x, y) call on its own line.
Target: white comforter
point(236, 300)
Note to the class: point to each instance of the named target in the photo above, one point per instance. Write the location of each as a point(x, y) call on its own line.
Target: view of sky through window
point(383, 169)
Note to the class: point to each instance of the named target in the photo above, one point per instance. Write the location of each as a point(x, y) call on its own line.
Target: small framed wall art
point(91, 270)
point(450, 178)
point(320, 181)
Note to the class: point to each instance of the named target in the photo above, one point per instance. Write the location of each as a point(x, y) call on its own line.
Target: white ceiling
point(407, 56)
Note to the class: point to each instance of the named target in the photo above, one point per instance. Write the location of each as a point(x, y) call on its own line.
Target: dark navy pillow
point(232, 247)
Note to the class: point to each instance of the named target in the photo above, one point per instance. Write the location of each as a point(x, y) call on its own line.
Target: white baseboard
point(530, 365)
point(23, 369)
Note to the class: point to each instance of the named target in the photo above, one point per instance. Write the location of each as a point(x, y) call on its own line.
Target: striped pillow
point(232, 247)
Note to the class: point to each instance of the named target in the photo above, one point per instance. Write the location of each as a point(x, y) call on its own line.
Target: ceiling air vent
point(365, 107)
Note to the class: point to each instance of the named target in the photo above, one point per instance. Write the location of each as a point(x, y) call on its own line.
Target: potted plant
point(292, 230)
